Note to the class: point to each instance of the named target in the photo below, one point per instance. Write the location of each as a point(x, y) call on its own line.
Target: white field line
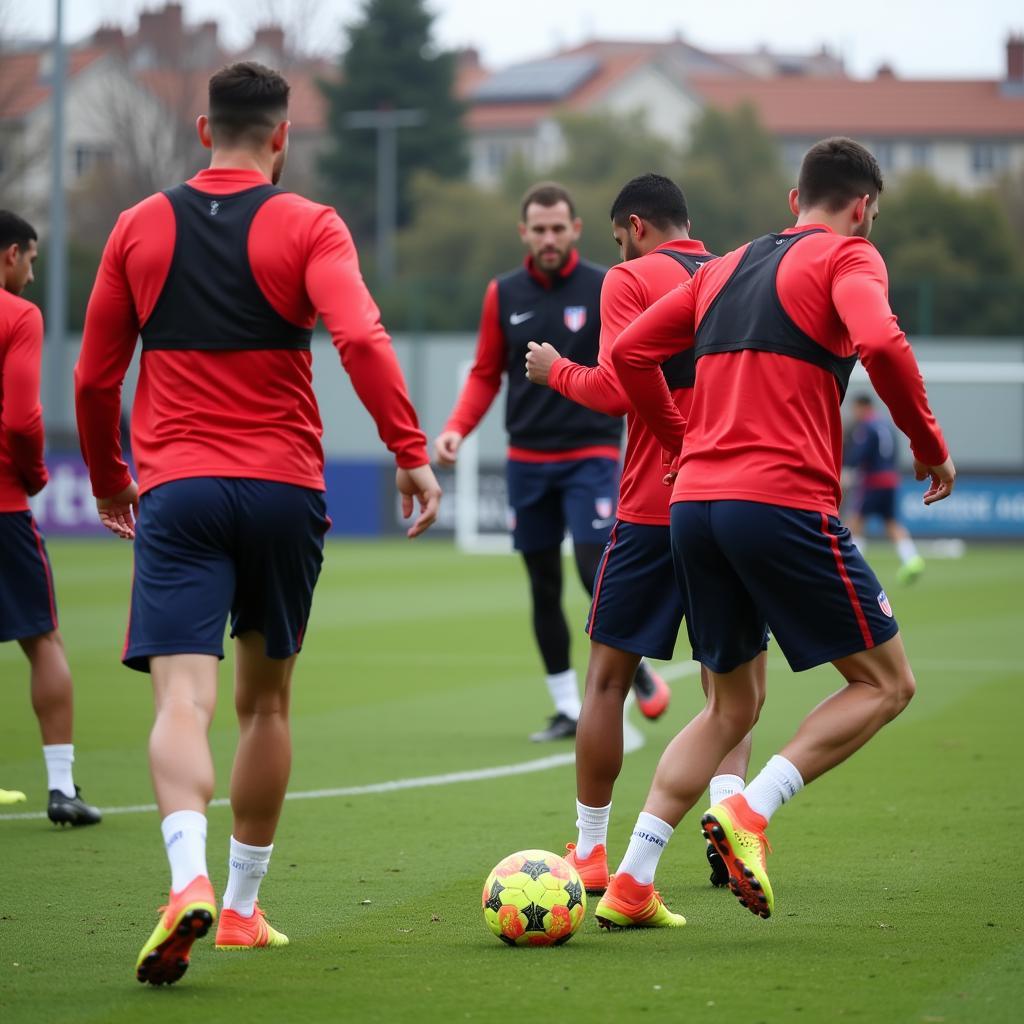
point(633, 739)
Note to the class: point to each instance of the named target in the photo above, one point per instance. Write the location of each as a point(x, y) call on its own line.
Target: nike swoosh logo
point(519, 318)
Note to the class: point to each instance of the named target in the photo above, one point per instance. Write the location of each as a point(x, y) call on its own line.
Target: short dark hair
point(864, 400)
point(247, 101)
point(547, 193)
point(653, 198)
point(836, 171)
point(15, 230)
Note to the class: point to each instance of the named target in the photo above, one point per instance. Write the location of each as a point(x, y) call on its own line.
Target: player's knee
point(900, 691)
point(734, 719)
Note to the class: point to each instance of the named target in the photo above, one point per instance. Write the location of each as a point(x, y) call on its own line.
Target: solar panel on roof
point(537, 81)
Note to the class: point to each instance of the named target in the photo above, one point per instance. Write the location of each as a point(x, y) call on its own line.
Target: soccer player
point(223, 277)
point(562, 458)
point(776, 327)
point(871, 452)
point(28, 606)
point(637, 607)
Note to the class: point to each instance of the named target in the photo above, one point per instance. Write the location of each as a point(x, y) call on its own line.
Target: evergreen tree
point(391, 63)
point(733, 178)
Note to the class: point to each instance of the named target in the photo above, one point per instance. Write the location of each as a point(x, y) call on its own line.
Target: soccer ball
point(534, 898)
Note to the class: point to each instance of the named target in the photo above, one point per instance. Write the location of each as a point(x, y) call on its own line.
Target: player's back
point(218, 272)
point(764, 425)
point(21, 325)
point(641, 282)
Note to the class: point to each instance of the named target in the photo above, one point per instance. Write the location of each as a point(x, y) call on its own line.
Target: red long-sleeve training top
point(22, 470)
point(629, 288)
point(248, 413)
point(766, 427)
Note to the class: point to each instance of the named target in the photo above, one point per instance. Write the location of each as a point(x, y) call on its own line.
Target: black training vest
point(568, 316)
point(210, 299)
point(752, 317)
point(680, 370)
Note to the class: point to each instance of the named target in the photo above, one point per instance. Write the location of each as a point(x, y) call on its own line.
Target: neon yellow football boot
point(737, 834)
point(629, 904)
point(188, 916)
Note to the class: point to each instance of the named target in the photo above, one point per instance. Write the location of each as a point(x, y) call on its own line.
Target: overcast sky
point(920, 38)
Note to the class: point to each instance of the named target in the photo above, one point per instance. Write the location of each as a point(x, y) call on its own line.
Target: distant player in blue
point(871, 455)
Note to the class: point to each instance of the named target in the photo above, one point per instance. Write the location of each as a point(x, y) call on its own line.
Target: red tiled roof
point(185, 93)
point(613, 69)
point(22, 90)
point(879, 107)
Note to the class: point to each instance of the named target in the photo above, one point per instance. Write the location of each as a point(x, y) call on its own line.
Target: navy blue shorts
point(749, 565)
point(878, 501)
point(27, 603)
point(547, 497)
point(637, 606)
point(207, 547)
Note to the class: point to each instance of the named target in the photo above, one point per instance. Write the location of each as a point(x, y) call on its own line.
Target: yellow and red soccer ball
point(534, 898)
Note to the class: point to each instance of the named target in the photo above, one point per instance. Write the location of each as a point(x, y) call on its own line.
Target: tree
point(470, 232)
point(391, 63)
point(954, 265)
point(733, 178)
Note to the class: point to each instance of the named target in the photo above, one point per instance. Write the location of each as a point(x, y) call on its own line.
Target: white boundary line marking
point(632, 740)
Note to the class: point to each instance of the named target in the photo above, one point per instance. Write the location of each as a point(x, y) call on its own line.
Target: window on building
point(883, 154)
point(921, 156)
point(90, 157)
point(793, 154)
point(497, 157)
point(990, 157)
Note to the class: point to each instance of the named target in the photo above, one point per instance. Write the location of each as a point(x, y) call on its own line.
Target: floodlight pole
point(386, 124)
point(57, 253)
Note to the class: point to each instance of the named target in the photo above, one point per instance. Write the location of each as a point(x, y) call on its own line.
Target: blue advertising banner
point(362, 502)
point(982, 507)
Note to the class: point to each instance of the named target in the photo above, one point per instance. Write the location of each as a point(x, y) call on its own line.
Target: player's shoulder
point(16, 309)
point(846, 248)
point(143, 215)
point(300, 210)
point(586, 268)
point(516, 274)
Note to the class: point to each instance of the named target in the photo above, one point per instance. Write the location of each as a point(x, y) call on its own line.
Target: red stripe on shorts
point(46, 569)
point(600, 577)
point(858, 611)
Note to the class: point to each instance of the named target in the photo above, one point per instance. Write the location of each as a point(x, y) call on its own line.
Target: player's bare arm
point(539, 360)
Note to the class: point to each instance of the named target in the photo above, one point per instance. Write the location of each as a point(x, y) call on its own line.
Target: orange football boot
point(593, 870)
point(237, 932)
point(629, 904)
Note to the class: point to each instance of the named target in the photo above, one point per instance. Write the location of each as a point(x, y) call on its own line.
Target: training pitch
point(897, 897)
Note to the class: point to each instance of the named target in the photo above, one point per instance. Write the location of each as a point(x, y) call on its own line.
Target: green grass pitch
point(896, 877)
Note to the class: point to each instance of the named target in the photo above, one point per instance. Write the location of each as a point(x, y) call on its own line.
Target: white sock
point(565, 692)
point(246, 867)
point(185, 840)
point(777, 784)
point(723, 786)
point(593, 825)
point(646, 845)
point(862, 544)
point(59, 758)
point(906, 549)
